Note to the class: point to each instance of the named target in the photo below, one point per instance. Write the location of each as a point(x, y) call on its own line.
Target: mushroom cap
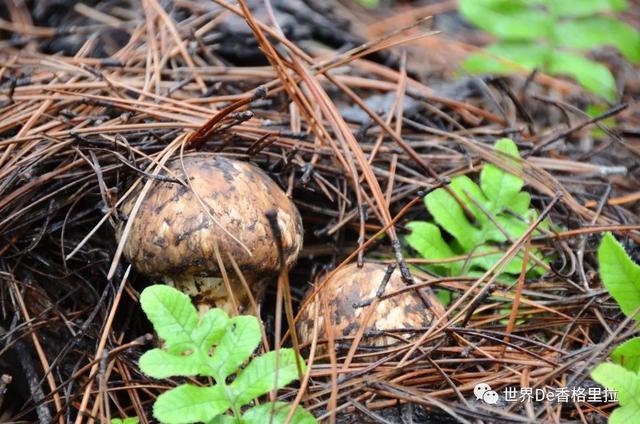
point(173, 235)
point(352, 285)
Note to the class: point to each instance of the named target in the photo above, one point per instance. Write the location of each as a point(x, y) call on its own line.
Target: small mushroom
point(347, 295)
point(173, 236)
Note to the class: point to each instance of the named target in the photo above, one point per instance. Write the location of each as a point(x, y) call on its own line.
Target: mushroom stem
point(211, 292)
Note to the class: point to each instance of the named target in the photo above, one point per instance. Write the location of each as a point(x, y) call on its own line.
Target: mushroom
point(174, 234)
point(348, 294)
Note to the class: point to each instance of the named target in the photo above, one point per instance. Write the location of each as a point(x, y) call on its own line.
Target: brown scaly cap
point(353, 285)
point(173, 236)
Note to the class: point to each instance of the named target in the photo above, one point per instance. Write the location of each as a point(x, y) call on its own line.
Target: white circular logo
point(484, 393)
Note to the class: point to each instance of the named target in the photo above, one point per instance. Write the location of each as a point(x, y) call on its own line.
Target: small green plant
point(621, 277)
point(619, 274)
point(217, 347)
point(627, 385)
point(553, 36)
point(501, 213)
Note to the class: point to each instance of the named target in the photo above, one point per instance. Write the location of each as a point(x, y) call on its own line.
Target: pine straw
point(78, 131)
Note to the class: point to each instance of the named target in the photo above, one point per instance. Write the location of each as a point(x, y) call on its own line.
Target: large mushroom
point(173, 236)
point(348, 294)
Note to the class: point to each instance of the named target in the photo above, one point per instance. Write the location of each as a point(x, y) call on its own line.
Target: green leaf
point(514, 266)
point(426, 239)
point(467, 190)
point(187, 344)
point(520, 203)
point(594, 110)
point(190, 404)
point(491, 232)
point(507, 19)
point(627, 384)
point(500, 186)
point(236, 346)
point(628, 354)
point(157, 363)
point(223, 419)
point(593, 76)
point(620, 276)
point(259, 377)
point(509, 148)
point(211, 328)
point(444, 296)
point(128, 420)
point(277, 414)
point(524, 54)
point(583, 7)
point(173, 316)
point(449, 215)
point(596, 31)
point(512, 225)
point(482, 63)
point(515, 227)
